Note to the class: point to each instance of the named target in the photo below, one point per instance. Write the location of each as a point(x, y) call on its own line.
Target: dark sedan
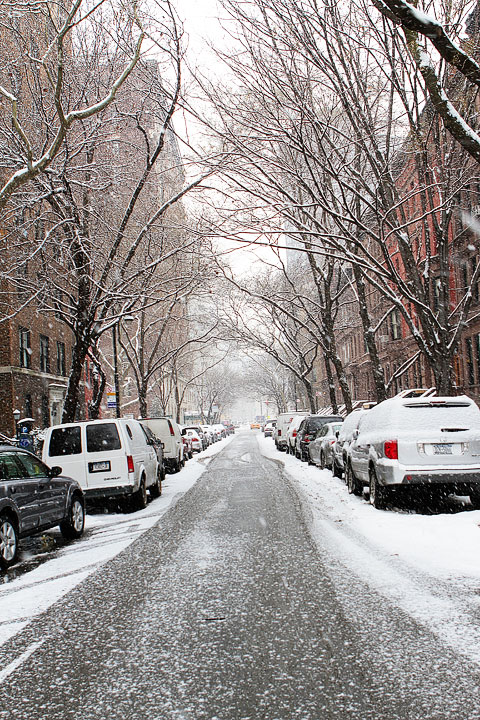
point(34, 498)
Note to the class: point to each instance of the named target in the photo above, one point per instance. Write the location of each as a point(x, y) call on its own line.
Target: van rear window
point(102, 437)
point(65, 441)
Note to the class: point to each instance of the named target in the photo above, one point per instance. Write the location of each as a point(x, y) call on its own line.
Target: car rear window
point(429, 416)
point(315, 423)
point(102, 437)
point(65, 441)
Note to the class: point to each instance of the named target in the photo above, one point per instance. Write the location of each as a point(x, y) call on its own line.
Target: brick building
point(35, 351)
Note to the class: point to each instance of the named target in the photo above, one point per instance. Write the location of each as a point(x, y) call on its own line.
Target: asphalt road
point(228, 610)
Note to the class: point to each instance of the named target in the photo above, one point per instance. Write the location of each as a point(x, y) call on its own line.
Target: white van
point(283, 421)
point(106, 457)
point(168, 431)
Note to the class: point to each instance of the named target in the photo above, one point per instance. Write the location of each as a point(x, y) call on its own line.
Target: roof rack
point(417, 392)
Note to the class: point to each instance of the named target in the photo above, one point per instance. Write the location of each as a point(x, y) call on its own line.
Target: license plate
point(443, 449)
point(99, 466)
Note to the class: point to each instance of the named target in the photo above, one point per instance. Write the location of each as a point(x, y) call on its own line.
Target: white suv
point(416, 443)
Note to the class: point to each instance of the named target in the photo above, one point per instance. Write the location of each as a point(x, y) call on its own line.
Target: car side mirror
point(55, 471)
point(337, 433)
point(356, 433)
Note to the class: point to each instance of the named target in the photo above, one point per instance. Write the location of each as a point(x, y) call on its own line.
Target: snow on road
point(427, 565)
point(106, 535)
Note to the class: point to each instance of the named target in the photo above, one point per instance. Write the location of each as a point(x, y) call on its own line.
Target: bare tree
point(334, 146)
point(111, 225)
point(37, 74)
point(448, 90)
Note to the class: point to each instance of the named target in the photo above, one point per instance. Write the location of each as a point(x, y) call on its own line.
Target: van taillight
point(279, 433)
point(130, 465)
point(172, 431)
point(390, 449)
point(294, 433)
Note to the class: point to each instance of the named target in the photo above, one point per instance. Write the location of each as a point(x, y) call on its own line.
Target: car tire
point(8, 541)
point(140, 497)
point(73, 525)
point(378, 493)
point(155, 490)
point(353, 486)
point(475, 499)
point(337, 470)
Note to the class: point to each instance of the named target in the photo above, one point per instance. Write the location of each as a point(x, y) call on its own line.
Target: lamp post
point(16, 418)
point(115, 371)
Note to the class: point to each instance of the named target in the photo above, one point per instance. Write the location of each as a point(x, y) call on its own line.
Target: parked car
point(195, 439)
point(157, 445)
point(343, 441)
point(209, 434)
point(34, 498)
point(269, 428)
point(417, 443)
point(106, 457)
point(220, 430)
point(283, 422)
point(308, 430)
point(168, 431)
point(320, 449)
point(292, 432)
point(198, 430)
point(187, 446)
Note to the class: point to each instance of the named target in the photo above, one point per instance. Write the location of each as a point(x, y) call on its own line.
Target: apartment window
point(61, 362)
point(395, 325)
point(44, 354)
point(25, 348)
point(469, 360)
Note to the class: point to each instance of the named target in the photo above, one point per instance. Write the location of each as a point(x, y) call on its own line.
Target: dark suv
point(308, 430)
point(34, 498)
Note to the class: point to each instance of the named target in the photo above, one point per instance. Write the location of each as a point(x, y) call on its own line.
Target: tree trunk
point(331, 386)
point(99, 382)
point(142, 400)
point(79, 354)
point(377, 369)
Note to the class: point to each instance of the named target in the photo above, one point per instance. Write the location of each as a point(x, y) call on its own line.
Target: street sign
point(111, 400)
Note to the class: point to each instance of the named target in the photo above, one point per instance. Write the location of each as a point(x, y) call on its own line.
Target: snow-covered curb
point(106, 535)
point(428, 565)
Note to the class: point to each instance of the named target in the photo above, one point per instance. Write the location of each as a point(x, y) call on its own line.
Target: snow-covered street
point(106, 535)
point(264, 591)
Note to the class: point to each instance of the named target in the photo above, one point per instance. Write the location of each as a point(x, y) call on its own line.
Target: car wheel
point(73, 525)
point(156, 489)
point(354, 487)
point(378, 493)
point(8, 541)
point(475, 499)
point(337, 470)
point(140, 497)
